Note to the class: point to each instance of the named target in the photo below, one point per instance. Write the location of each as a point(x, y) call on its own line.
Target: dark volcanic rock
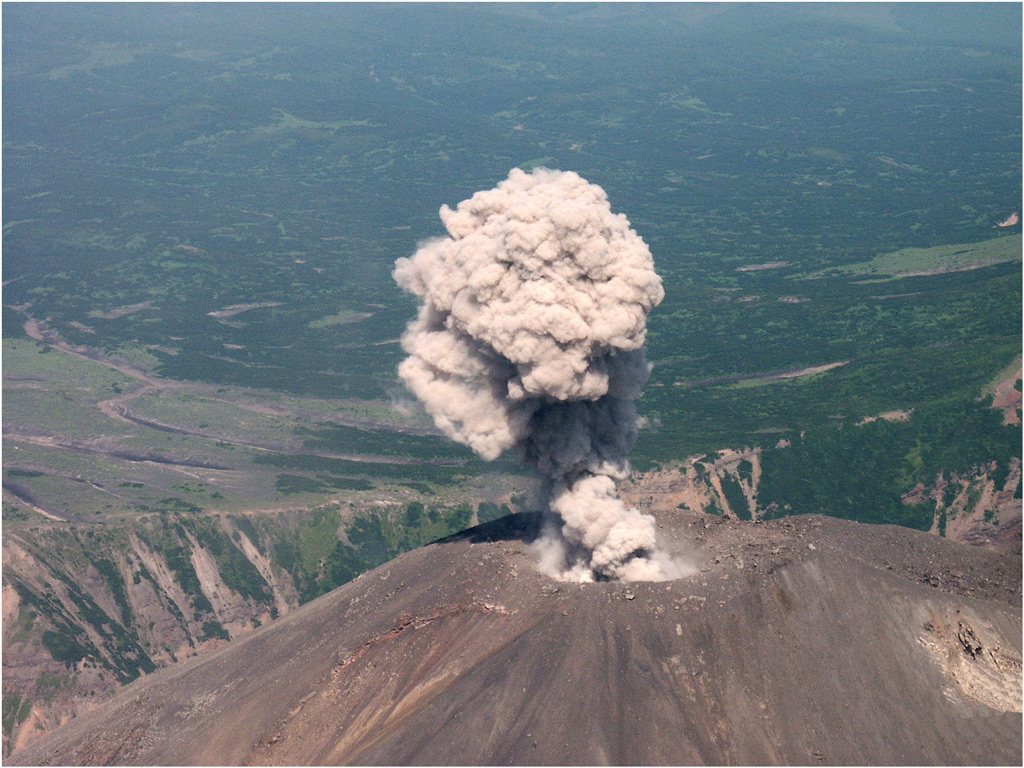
point(803, 641)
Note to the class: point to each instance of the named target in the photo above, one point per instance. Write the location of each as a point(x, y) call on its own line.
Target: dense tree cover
point(223, 191)
point(861, 472)
point(375, 539)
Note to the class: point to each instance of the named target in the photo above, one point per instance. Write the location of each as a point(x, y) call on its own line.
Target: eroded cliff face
point(90, 608)
point(981, 507)
point(802, 641)
point(725, 484)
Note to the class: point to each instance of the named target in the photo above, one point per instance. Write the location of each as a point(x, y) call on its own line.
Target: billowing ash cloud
point(530, 336)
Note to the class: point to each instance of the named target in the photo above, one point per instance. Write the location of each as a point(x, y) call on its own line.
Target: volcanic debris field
point(805, 641)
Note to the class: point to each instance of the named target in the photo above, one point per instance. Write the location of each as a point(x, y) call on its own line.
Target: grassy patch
point(936, 260)
point(15, 710)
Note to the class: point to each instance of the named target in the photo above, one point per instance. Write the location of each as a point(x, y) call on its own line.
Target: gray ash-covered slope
point(803, 641)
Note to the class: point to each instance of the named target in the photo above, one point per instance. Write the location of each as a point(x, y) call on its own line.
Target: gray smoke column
point(530, 336)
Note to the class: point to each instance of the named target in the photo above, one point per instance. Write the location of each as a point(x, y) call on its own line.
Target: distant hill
point(807, 641)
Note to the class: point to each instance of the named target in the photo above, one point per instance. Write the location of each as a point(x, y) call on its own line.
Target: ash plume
point(530, 336)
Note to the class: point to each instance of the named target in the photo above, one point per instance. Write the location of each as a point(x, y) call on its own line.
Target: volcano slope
point(807, 641)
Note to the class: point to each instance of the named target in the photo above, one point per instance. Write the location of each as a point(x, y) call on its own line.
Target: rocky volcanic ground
point(806, 641)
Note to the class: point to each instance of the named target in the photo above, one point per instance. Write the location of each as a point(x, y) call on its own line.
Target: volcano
point(807, 640)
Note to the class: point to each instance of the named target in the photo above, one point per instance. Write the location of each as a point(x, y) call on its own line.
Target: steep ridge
point(89, 608)
point(802, 641)
point(980, 506)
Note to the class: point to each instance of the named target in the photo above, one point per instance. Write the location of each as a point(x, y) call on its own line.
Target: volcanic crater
point(807, 640)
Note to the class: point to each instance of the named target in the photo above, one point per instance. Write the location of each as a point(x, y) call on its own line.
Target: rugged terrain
point(980, 506)
point(88, 607)
point(807, 640)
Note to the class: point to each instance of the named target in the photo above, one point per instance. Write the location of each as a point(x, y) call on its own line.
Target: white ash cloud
point(530, 336)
